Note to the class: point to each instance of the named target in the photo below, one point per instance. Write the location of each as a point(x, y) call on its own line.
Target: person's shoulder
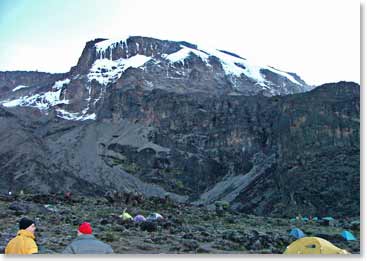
point(100, 241)
point(104, 244)
point(107, 245)
point(75, 242)
point(12, 241)
point(107, 248)
point(29, 241)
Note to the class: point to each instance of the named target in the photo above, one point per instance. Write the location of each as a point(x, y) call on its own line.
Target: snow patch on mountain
point(232, 64)
point(103, 46)
point(106, 71)
point(41, 101)
point(49, 99)
point(59, 84)
point(184, 53)
point(75, 116)
point(19, 87)
point(284, 74)
point(238, 66)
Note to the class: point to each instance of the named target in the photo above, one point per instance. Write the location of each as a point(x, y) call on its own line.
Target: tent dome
point(348, 235)
point(297, 233)
point(313, 245)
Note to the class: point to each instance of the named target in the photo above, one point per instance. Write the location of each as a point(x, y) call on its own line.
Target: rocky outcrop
point(87, 58)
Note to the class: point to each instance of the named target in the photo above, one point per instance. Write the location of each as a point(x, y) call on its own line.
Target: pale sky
point(317, 39)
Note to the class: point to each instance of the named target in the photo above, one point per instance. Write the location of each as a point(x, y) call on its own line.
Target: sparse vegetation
point(186, 228)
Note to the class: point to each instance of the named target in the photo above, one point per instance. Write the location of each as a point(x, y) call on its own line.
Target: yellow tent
point(126, 216)
point(313, 245)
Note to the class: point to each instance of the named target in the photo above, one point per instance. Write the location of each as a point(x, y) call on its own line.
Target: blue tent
point(328, 218)
point(293, 219)
point(297, 233)
point(315, 219)
point(305, 219)
point(347, 235)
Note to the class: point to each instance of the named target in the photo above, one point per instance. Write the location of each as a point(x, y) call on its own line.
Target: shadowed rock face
point(301, 143)
point(265, 155)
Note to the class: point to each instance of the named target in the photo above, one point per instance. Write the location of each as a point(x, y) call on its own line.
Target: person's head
point(85, 229)
point(27, 224)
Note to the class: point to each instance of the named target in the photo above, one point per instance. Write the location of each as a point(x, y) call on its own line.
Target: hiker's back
point(22, 244)
point(88, 244)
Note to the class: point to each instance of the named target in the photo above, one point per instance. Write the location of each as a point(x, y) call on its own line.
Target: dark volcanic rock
point(149, 226)
point(20, 208)
point(190, 245)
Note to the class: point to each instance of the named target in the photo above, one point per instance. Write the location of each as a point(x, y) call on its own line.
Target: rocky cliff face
point(277, 155)
point(164, 117)
point(294, 150)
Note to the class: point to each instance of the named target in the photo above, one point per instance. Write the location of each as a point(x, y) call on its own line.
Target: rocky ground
point(186, 228)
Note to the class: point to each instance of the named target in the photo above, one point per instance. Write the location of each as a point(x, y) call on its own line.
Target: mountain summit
point(144, 63)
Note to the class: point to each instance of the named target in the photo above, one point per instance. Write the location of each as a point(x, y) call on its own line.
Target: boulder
point(190, 245)
point(205, 249)
point(234, 236)
point(20, 208)
point(149, 226)
point(256, 245)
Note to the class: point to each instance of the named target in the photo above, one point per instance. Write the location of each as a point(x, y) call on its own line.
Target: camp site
point(159, 226)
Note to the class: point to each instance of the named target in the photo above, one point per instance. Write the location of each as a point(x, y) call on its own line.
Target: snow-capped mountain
point(144, 63)
point(172, 118)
